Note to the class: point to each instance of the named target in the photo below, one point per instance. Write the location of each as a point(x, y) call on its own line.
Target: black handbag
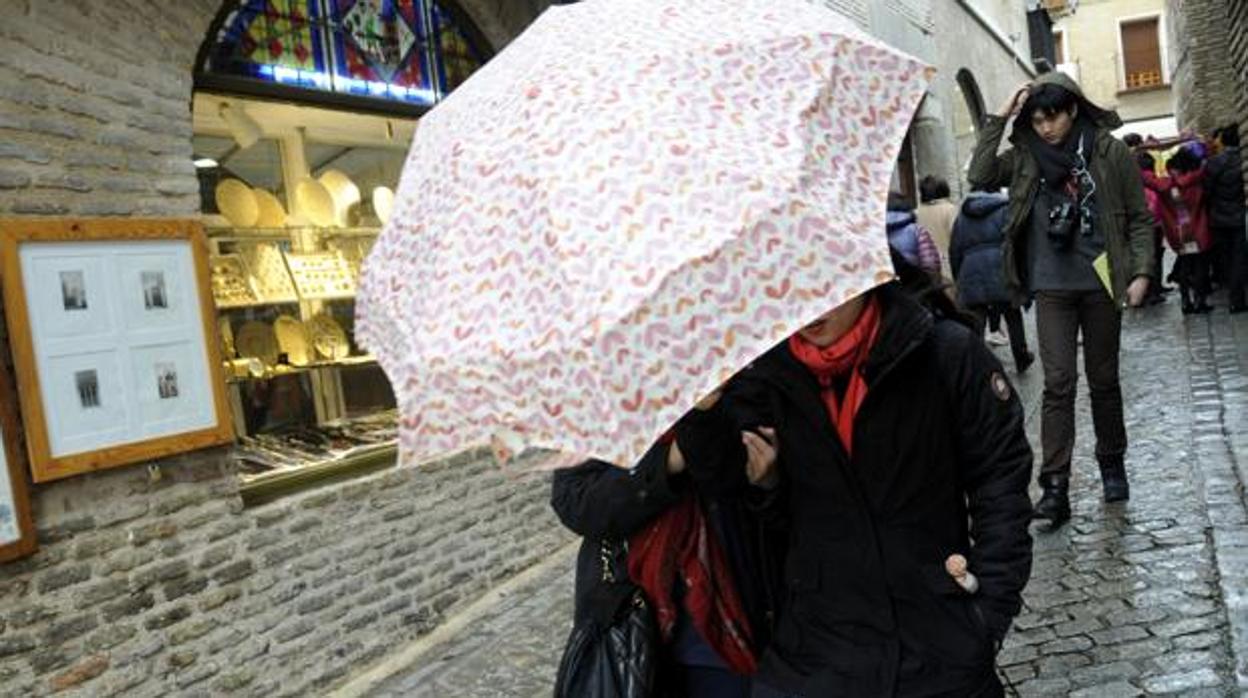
point(611, 652)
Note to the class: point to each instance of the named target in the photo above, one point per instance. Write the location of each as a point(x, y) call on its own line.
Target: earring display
point(268, 272)
point(321, 275)
point(230, 285)
point(353, 251)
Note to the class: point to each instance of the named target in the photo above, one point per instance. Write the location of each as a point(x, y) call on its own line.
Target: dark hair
point(898, 202)
point(932, 188)
point(1048, 99)
point(1183, 161)
point(924, 288)
point(1230, 135)
point(1133, 139)
point(1145, 161)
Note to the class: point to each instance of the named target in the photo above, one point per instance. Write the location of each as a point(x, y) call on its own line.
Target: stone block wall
point(1203, 74)
point(157, 584)
point(1237, 38)
point(95, 107)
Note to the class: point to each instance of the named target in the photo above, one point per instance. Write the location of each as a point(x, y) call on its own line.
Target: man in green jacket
point(1075, 196)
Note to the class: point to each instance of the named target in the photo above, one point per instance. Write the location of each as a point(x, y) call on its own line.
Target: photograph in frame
point(115, 341)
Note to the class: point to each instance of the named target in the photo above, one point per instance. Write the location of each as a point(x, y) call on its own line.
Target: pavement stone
point(1146, 597)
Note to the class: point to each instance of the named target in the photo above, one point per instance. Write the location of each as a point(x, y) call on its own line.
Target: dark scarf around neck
point(1058, 162)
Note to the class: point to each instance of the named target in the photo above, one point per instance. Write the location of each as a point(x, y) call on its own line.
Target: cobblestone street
point(1145, 598)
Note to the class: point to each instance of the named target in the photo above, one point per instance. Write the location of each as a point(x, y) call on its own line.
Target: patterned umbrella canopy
point(632, 201)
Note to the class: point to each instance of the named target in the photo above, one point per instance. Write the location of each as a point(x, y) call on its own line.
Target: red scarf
point(845, 355)
point(678, 547)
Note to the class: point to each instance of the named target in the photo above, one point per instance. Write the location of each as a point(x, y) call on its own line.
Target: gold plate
point(237, 202)
point(293, 340)
point(328, 338)
point(256, 340)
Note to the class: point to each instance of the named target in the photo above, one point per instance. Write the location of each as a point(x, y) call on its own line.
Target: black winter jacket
point(1224, 190)
point(940, 460)
point(598, 500)
point(975, 250)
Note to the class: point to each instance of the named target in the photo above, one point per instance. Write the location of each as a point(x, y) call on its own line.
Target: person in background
point(910, 240)
point(1156, 291)
point(1180, 201)
point(975, 258)
point(1075, 194)
point(1224, 186)
point(936, 213)
point(1148, 166)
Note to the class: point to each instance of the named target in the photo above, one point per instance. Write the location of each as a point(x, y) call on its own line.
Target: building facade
point(981, 51)
point(1119, 52)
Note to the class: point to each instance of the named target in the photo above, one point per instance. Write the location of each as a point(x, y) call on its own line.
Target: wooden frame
point(44, 463)
point(15, 459)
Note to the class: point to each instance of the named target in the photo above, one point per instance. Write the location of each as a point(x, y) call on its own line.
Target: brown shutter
point(1141, 53)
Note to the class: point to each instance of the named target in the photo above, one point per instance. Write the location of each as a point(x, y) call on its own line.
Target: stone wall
point(154, 579)
point(1201, 60)
point(1237, 31)
point(95, 107)
point(156, 584)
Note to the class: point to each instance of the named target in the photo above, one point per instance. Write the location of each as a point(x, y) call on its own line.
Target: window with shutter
point(1141, 53)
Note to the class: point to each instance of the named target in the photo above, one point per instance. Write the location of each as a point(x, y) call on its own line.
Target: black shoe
point(1188, 308)
point(1237, 309)
point(1054, 505)
point(1202, 308)
point(1022, 363)
point(1114, 484)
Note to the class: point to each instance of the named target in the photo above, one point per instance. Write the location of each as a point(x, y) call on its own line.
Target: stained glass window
point(413, 51)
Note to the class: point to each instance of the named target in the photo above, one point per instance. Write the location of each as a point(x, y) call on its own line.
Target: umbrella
point(629, 203)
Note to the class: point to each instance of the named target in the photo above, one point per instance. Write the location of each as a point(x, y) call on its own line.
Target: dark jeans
point(1191, 271)
point(1060, 316)
point(1234, 259)
point(985, 314)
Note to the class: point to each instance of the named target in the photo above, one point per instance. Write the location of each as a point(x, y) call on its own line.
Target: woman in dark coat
point(900, 442)
point(975, 258)
point(689, 511)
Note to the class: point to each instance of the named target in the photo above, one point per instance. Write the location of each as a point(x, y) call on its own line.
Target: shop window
point(308, 403)
point(407, 51)
point(1141, 53)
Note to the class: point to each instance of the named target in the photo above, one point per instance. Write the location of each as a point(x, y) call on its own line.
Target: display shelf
point(288, 370)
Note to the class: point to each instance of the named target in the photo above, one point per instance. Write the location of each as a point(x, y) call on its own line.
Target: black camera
point(1063, 217)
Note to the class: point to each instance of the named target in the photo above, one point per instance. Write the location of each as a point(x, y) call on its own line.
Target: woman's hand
point(761, 458)
point(1014, 104)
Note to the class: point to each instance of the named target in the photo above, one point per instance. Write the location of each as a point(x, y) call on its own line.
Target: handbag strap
point(608, 552)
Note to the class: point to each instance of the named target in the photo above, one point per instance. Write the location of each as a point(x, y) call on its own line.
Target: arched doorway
point(973, 99)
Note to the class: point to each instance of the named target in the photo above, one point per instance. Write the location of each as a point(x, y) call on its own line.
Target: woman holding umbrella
point(901, 450)
point(695, 544)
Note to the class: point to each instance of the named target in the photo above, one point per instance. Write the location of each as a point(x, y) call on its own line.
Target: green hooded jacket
point(1122, 210)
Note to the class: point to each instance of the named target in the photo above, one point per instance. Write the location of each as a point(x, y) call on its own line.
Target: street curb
point(368, 681)
point(1217, 380)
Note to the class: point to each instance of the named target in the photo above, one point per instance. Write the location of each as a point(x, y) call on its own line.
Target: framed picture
point(114, 341)
point(17, 528)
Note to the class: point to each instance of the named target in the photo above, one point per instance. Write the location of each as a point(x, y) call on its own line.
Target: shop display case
point(304, 397)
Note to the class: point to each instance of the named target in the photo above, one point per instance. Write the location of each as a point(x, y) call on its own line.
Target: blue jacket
point(975, 249)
